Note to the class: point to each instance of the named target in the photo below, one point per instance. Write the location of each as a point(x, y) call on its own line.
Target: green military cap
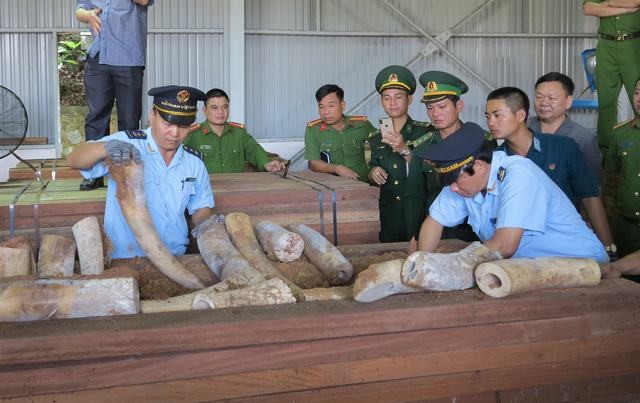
point(438, 85)
point(396, 77)
point(458, 150)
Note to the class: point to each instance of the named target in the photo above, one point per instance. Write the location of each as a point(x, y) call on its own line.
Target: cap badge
point(183, 96)
point(393, 77)
point(432, 86)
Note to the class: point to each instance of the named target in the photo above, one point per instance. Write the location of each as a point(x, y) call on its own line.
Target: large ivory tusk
point(270, 292)
point(16, 257)
point(56, 257)
point(244, 238)
point(328, 294)
point(216, 248)
point(326, 257)
point(446, 271)
point(278, 243)
point(184, 302)
point(131, 196)
point(514, 276)
point(380, 280)
point(88, 236)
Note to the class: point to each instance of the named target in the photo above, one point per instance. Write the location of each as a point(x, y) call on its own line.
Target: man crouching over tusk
point(174, 177)
point(512, 205)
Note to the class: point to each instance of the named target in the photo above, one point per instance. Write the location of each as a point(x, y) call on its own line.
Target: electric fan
point(13, 125)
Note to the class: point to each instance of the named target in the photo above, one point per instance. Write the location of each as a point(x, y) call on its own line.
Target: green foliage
point(70, 53)
point(71, 61)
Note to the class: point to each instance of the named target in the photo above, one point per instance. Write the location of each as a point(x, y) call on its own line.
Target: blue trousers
point(105, 84)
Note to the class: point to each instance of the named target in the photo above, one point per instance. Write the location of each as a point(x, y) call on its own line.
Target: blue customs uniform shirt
point(169, 190)
point(520, 195)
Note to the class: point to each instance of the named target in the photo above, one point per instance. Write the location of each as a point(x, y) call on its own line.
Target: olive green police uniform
point(618, 63)
point(403, 197)
point(227, 153)
point(624, 158)
point(345, 147)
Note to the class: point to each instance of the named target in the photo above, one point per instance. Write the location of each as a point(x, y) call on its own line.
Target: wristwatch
point(612, 251)
point(405, 151)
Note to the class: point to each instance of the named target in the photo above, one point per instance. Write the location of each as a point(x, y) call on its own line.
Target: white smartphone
point(386, 126)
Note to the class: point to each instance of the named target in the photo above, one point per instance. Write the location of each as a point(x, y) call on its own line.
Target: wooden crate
point(301, 197)
point(580, 344)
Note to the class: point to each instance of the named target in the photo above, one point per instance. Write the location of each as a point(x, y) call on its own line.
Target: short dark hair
point(514, 97)
point(563, 79)
point(216, 93)
point(328, 89)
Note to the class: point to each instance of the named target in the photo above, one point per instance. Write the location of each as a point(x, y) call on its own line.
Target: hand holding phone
point(386, 128)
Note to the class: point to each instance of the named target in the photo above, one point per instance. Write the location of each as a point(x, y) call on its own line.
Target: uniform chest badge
point(552, 166)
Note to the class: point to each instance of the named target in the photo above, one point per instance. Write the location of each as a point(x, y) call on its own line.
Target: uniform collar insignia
point(502, 172)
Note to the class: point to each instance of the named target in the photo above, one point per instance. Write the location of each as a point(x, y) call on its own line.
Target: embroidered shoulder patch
point(192, 151)
point(358, 118)
point(623, 123)
point(502, 172)
point(374, 133)
point(236, 124)
point(136, 134)
point(314, 123)
point(421, 124)
point(425, 137)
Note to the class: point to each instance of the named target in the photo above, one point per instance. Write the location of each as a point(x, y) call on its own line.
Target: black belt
point(623, 37)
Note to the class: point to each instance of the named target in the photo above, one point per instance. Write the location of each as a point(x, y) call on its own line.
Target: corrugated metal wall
point(295, 46)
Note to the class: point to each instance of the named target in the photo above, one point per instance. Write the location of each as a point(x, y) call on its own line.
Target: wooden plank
point(276, 386)
point(187, 331)
point(587, 390)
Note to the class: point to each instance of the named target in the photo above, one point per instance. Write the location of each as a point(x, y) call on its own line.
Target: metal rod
point(441, 46)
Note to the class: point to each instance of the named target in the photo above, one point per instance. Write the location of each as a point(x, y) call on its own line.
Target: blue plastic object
point(587, 103)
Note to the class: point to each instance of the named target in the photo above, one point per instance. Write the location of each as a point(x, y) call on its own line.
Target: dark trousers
point(105, 84)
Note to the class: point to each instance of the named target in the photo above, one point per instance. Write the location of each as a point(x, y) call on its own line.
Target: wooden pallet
point(580, 344)
point(301, 197)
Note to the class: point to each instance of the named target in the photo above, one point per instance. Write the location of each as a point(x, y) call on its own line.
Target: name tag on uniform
point(188, 180)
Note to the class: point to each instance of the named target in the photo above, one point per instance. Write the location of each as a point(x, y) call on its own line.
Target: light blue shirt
point(122, 40)
point(169, 190)
point(524, 198)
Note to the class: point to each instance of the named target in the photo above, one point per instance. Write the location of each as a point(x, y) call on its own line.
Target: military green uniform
point(624, 158)
point(227, 153)
point(403, 197)
point(618, 63)
point(345, 147)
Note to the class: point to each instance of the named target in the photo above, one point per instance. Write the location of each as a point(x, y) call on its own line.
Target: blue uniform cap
point(455, 152)
point(177, 104)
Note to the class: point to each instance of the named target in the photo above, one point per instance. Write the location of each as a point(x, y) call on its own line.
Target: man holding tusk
point(175, 176)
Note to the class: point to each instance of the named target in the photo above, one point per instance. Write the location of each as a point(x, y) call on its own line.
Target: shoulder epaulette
point(374, 133)
point(421, 124)
point(358, 118)
point(314, 123)
point(192, 151)
point(425, 137)
point(136, 134)
point(623, 123)
point(236, 124)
